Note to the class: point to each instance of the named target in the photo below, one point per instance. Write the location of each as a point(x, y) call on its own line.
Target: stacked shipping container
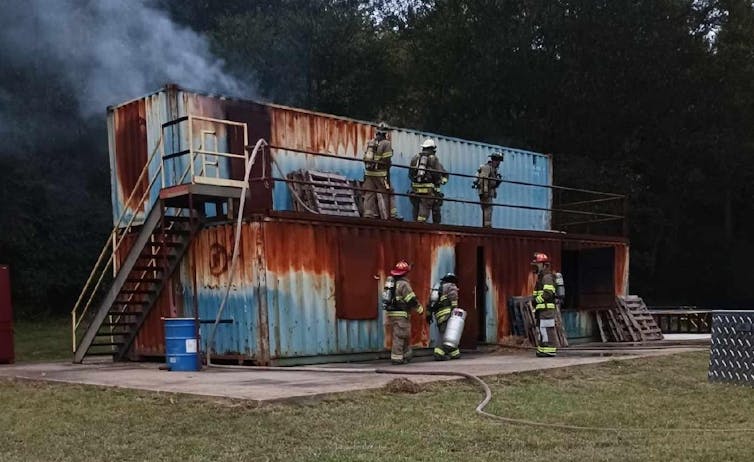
point(307, 286)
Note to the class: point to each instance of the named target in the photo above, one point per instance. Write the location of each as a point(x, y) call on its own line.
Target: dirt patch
point(403, 385)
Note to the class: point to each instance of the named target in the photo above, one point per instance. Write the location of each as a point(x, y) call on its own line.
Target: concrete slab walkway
point(269, 386)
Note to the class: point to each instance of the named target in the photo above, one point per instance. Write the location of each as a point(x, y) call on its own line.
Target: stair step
point(157, 255)
point(101, 353)
point(111, 334)
point(149, 280)
point(106, 344)
point(180, 219)
point(125, 313)
point(137, 291)
point(114, 324)
point(148, 268)
point(131, 302)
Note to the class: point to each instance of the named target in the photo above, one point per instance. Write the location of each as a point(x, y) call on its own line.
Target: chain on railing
point(565, 209)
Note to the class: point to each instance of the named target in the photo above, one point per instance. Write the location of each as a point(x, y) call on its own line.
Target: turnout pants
point(486, 202)
point(401, 327)
point(442, 351)
point(379, 198)
point(424, 204)
point(547, 341)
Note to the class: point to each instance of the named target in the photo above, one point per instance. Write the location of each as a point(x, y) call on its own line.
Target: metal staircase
point(151, 261)
point(122, 289)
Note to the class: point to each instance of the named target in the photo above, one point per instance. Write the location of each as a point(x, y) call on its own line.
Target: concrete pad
point(265, 386)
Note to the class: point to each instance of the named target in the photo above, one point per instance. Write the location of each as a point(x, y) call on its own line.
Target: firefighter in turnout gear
point(544, 305)
point(399, 299)
point(487, 181)
point(427, 175)
point(442, 300)
point(378, 198)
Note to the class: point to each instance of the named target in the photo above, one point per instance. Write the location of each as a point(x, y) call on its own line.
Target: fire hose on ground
point(487, 391)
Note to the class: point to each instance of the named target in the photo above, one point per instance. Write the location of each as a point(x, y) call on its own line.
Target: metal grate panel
point(732, 348)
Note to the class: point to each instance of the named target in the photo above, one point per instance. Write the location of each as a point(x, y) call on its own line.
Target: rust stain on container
point(508, 264)
point(131, 149)
point(297, 129)
point(311, 293)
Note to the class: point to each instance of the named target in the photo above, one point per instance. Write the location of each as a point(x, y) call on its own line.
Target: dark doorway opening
point(481, 294)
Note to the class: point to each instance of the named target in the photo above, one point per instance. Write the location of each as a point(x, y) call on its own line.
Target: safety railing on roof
point(199, 151)
point(571, 210)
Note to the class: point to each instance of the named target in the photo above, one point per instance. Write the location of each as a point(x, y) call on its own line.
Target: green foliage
point(54, 421)
point(651, 98)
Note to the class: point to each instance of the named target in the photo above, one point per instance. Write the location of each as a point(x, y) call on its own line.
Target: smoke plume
point(106, 51)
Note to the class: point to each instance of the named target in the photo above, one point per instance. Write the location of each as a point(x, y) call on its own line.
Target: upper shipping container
point(138, 134)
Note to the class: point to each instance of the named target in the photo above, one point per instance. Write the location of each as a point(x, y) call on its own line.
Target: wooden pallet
point(636, 312)
point(628, 320)
point(525, 324)
point(323, 192)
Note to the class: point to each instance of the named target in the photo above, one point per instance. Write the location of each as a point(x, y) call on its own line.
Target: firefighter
point(487, 181)
point(442, 302)
point(427, 175)
point(544, 305)
point(378, 200)
point(399, 299)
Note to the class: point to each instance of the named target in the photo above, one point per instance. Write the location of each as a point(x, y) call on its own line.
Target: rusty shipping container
point(308, 290)
point(307, 286)
point(137, 134)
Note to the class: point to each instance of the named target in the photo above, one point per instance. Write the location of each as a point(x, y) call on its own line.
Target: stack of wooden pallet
point(322, 192)
point(524, 323)
point(628, 320)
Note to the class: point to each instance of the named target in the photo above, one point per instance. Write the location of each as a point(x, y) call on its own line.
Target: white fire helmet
point(429, 143)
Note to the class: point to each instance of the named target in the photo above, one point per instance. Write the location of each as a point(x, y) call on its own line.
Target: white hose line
point(234, 259)
point(487, 398)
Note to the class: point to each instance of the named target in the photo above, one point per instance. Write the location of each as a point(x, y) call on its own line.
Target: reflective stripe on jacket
point(544, 291)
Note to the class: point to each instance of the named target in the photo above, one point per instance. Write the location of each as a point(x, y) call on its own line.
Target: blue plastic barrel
point(181, 345)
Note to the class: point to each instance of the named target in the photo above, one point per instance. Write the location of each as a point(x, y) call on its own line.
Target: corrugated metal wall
point(347, 138)
point(302, 272)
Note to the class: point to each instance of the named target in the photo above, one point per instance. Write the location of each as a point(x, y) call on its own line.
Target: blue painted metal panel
point(579, 325)
point(465, 157)
point(458, 156)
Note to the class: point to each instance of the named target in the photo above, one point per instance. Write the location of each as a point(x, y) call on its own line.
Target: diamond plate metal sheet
point(732, 347)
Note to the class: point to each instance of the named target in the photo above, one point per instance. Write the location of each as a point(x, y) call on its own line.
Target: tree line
point(648, 98)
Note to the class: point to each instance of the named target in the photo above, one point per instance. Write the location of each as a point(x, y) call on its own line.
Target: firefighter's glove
point(539, 299)
point(420, 309)
point(444, 180)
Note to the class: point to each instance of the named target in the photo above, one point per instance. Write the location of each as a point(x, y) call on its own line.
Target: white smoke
point(109, 51)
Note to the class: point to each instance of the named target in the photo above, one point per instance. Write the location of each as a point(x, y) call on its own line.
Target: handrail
point(119, 232)
point(76, 317)
point(118, 244)
point(461, 175)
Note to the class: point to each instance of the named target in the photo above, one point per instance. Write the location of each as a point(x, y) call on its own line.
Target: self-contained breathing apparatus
point(370, 155)
point(388, 294)
point(559, 289)
point(495, 180)
point(421, 174)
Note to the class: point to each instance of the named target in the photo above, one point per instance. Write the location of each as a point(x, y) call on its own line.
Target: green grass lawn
point(43, 340)
point(45, 421)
